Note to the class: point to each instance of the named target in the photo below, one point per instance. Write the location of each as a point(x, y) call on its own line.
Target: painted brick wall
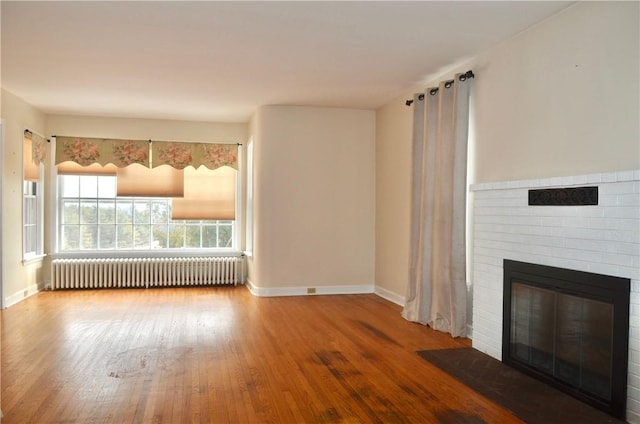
point(603, 239)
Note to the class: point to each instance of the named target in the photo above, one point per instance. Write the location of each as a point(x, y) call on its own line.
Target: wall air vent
point(578, 196)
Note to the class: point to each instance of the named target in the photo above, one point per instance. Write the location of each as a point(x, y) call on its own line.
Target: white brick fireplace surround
point(602, 239)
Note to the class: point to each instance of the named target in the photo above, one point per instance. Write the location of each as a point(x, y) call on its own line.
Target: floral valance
point(38, 147)
point(180, 155)
point(121, 153)
point(86, 151)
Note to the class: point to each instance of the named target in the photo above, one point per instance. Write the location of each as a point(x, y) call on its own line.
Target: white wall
point(313, 200)
point(18, 279)
point(562, 98)
point(255, 131)
point(558, 99)
point(393, 193)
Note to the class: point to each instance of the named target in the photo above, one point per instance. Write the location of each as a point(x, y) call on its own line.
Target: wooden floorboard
point(221, 355)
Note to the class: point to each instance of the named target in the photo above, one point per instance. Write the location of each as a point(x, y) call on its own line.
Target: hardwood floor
point(220, 355)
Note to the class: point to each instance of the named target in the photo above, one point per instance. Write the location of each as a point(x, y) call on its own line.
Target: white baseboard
point(307, 291)
point(23, 294)
point(390, 296)
point(324, 290)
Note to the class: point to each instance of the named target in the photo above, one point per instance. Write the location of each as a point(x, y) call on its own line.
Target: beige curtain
point(34, 154)
point(31, 168)
point(437, 288)
point(40, 146)
point(87, 151)
point(180, 155)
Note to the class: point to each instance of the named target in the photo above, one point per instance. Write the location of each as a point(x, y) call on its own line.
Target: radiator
point(145, 272)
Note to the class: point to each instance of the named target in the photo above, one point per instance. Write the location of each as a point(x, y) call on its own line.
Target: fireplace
point(569, 329)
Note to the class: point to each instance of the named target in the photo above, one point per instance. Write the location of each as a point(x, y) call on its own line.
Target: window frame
point(137, 252)
point(36, 196)
point(249, 225)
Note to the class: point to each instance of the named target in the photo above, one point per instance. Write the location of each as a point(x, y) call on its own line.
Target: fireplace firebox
point(569, 329)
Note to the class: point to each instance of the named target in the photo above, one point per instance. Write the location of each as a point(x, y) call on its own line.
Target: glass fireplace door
point(564, 336)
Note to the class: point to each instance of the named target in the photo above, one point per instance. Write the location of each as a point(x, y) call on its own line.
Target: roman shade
point(72, 168)
point(140, 181)
point(208, 194)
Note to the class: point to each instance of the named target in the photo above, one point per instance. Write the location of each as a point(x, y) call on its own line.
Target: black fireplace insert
point(569, 329)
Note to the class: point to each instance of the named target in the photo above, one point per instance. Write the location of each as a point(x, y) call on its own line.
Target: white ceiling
point(219, 61)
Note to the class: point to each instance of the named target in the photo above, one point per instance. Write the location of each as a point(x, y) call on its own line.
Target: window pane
point(26, 219)
point(125, 236)
point(32, 207)
point(141, 236)
point(224, 236)
point(209, 236)
point(141, 212)
point(29, 188)
point(70, 212)
point(193, 236)
point(70, 185)
point(160, 236)
point(88, 212)
point(29, 244)
point(70, 237)
point(176, 235)
point(107, 212)
point(107, 236)
point(160, 212)
point(124, 211)
point(89, 186)
point(107, 187)
point(88, 236)
point(33, 238)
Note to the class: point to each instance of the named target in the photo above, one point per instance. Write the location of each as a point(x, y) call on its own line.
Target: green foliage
point(176, 236)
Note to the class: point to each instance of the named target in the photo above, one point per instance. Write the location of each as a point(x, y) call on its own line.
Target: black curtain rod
point(150, 141)
point(28, 131)
point(447, 84)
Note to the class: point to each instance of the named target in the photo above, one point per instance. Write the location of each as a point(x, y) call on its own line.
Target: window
point(93, 217)
point(32, 206)
point(31, 220)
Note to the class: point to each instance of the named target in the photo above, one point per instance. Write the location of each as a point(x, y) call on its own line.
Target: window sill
point(32, 259)
point(84, 254)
